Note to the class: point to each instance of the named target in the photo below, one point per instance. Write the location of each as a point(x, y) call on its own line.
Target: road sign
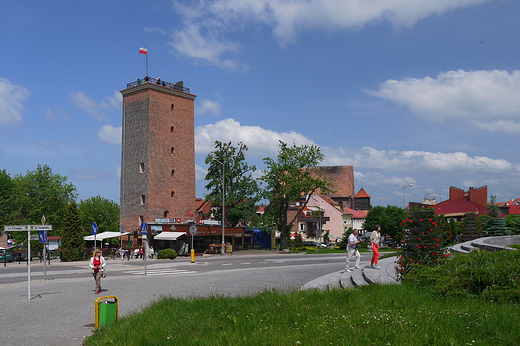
point(193, 229)
point(94, 228)
point(16, 228)
point(144, 228)
point(43, 220)
point(178, 220)
point(43, 236)
point(40, 227)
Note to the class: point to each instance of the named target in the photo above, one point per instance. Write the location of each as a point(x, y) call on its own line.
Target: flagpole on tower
point(144, 50)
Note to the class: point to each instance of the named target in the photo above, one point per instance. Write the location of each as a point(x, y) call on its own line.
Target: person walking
point(375, 239)
point(97, 264)
point(352, 249)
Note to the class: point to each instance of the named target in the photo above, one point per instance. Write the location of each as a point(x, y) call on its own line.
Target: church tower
point(158, 153)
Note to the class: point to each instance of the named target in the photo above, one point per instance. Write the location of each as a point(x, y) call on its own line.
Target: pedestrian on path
point(97, 264)
point(352, 249)
point(375, 239)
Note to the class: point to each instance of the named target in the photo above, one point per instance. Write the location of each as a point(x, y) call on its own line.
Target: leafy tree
point(100, 210)
point(241, 190)
point(72, 235)
point(493, 208)
point(344, 238)
point(495, 227)
point(40, 192)
point(287, 179)
point(6, 205)
point(388, 217)
point(513, 223)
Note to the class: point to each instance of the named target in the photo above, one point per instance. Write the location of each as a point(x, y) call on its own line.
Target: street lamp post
point(404, 187)
point(223, 198)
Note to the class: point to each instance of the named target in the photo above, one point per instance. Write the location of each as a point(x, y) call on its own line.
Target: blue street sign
point(94, 228)
point(144, 228)
point(43, 236)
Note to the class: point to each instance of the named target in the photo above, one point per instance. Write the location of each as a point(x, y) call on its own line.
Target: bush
point(167, 254)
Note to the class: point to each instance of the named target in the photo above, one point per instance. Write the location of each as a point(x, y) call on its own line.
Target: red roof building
point(462, 202)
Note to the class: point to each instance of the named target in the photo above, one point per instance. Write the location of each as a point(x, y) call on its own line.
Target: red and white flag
point(143, 50)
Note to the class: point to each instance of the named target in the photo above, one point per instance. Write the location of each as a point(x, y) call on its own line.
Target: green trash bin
point(107, 311)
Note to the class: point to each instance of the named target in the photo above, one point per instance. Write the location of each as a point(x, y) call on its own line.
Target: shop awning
point(105, 235)
point(169, 235)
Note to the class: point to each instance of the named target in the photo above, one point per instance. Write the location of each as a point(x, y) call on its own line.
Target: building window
point(173, 171)
point(302, 227)
point(171, 129)
point(141, 167)
point(166, 212)
point(173, 193)
point(141, 219)
point(142, 200)
point(171, 150)
point(172, 107)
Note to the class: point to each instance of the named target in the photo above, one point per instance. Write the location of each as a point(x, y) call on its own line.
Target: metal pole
point(44, 261)
point(29, 264)
point(223, 203)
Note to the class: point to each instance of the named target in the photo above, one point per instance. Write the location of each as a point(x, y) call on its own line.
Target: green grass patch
point(373, 315)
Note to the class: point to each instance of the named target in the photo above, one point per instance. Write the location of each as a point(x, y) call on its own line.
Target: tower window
point(142, 200)
point(141, 167)
point(171, 129)
point(141, 219)
point(173, 171)
point(166, 212)
point(172, 107)
point(173, 193)
point(171, 150)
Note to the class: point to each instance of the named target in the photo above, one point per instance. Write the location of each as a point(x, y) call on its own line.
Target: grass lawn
point(373, 315)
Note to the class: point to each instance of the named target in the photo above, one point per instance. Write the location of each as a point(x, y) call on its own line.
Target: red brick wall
point(157, 120)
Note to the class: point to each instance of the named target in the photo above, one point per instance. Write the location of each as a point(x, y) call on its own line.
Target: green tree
point(6, 196)
point(389, 218)
point(72, 235)
point(100, 210)
point(493, 208)
point(287, 179)
point(513, 223)
point(41, 192)
point(495, 227)
point(241, 190)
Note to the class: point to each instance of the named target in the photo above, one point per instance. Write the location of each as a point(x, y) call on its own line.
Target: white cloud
point(489, 100)
point(206, 22)
point(415, 161)
point(200, 173)
point(110, 134)
point(97, 109)
point(208, 106)
point(11, 103)
point(261, 142)
point(378, 179)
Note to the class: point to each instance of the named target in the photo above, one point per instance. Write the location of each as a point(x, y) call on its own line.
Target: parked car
point(6, 255)
point(309, 243)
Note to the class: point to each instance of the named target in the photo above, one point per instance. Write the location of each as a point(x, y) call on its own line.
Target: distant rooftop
point(176, 86)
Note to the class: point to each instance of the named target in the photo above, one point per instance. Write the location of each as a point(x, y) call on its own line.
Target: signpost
point(43, 239)
point(28, 228)
point(144, 232)
point(94, 232)
point(193, 231)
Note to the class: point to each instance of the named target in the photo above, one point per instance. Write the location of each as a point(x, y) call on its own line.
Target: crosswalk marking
point(158, 272)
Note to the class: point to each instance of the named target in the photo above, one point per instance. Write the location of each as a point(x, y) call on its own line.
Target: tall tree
point(6, 196)
point(41, 192)
point(72, 235)
point(389, 218)
point(493, 208)
point(104, 212)
point(241, 190)
point(294, 175)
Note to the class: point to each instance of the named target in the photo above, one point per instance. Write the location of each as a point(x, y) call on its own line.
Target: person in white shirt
point(352, 249)
point(375, 239)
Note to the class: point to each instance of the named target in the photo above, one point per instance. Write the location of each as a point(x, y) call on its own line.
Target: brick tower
point(158, 153)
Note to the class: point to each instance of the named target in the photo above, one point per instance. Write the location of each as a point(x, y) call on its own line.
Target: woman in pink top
point(375, 238)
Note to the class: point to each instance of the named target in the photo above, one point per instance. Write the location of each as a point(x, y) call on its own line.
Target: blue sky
point(408, 92)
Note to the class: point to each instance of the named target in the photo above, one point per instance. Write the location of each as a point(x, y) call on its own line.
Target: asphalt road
point(61, 309)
